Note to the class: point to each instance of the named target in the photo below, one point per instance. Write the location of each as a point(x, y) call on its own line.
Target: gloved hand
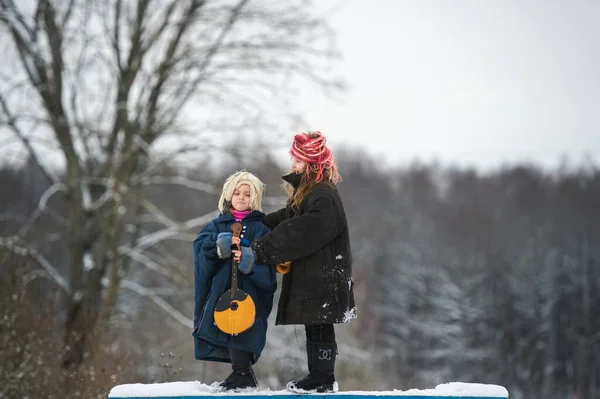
point(283, 267)
point(247, 263)
point(224, 245)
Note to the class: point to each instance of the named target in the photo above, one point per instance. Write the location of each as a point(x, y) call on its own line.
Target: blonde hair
point(234, 181)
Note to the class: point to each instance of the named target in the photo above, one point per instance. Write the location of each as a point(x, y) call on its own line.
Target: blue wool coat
point(212, 278)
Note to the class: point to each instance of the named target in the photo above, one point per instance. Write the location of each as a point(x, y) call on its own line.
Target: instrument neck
point(234, 277)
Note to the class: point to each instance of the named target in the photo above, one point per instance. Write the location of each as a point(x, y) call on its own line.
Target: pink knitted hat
point(315, 153)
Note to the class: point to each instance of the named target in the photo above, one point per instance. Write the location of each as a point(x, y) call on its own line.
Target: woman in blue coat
point(240, 202)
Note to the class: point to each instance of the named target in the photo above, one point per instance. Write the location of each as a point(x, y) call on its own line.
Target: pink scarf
point(239, 215)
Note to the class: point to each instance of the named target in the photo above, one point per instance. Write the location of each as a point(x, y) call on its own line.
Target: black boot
point(321, 364)
point(242, 375)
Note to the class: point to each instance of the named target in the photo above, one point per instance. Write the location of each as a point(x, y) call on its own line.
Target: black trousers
point(320, 333)
point(240, 360)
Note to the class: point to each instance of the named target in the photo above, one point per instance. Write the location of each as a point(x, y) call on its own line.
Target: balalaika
point(235, 310)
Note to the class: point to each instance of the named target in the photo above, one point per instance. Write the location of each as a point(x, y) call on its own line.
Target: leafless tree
point(102, 83)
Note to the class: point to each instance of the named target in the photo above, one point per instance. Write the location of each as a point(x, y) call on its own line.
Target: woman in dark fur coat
point(312, 233)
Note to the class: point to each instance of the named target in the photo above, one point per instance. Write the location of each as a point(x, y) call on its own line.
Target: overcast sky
point(471, 82)
point(468, 82)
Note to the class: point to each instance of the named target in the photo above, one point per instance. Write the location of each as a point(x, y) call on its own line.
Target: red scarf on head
point(315, 153)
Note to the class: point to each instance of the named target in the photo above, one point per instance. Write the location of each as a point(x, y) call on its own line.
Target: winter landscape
point(466, 136)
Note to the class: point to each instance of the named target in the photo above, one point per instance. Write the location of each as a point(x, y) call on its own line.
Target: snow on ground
point(196, 388)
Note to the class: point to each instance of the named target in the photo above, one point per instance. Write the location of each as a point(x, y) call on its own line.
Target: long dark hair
point(308, 182)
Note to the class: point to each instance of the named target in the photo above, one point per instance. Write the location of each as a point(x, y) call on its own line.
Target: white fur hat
point(237, 179)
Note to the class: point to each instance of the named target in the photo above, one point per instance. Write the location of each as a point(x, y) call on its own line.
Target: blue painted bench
point(195, 389)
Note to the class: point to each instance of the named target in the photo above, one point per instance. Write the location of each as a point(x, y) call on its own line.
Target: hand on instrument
point(237, 255)
point(246, 264)
point(224, 245)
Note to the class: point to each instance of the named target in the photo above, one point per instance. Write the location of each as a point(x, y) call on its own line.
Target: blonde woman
point(240, 202)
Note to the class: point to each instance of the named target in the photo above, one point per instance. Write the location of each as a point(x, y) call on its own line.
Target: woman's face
point(298, 166)
point(241, 198)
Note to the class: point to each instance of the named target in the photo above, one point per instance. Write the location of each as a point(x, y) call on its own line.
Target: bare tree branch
point(152, 265)
point(67, 15)
point(43, 207)
point(17, 245)
point(164, 305)
point(10, 216)
point(164, 234)
point(128, 75)
point(206, 62)
point(202, 187)
point(158, 215)
point(12, 123)
point(182, 181)
point(163, 254)
point(165, 68)
point(117, 36)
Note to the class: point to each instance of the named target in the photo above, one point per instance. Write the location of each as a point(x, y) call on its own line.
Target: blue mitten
point(247, 263)
point(224, 245)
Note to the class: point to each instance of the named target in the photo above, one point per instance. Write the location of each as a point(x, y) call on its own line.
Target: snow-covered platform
point(195, 389)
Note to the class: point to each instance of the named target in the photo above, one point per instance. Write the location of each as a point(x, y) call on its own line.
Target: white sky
point(469, 82)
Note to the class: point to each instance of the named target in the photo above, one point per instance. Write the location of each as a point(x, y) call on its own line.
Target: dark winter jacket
point(213, 278)
point(319, 287)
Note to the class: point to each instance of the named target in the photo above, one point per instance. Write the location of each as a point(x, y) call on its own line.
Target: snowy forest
point(460, 275)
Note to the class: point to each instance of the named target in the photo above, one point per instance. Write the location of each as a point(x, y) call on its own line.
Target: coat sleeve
point(273, 219)
point(205, 248)
point(205, 262)
point(300, 235)
point(263, 276)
